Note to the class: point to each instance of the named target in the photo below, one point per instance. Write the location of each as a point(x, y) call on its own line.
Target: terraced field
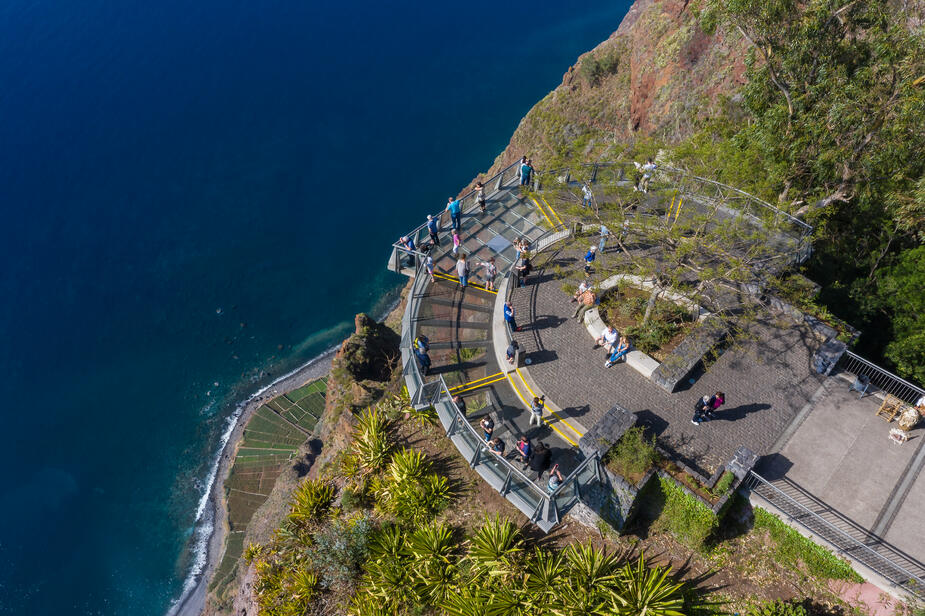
point(271, 438)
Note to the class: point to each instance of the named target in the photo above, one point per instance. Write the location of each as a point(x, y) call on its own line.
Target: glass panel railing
point(493, 469)
point(525, 491)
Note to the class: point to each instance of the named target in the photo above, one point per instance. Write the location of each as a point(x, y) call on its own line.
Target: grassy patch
point(791, 549)
point(632, 455)
point(684, 516)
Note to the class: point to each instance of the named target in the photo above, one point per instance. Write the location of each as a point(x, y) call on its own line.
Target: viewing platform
point(790, 413)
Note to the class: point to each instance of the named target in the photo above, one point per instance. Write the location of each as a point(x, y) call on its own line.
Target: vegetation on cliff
point(816, 107)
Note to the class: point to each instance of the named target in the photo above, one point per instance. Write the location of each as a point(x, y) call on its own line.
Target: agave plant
point(430, 549)
point(590, 569)
point(388, 543)
point(371, 442)
point(364, 604)
point(647, 590)
point(311, 501)
point(495, 548)
point(469, 601)
point(252, 552)
point(408, 465)
point(543, 574)
point(303, 589)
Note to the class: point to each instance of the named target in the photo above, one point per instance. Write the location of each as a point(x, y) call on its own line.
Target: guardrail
point(420, 234)
point(690, 185)
point(876, 555)
point(883, 380)
point(544, 508)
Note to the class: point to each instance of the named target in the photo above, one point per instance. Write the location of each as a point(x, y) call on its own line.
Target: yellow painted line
point(670, 207)
point(540, 207)
point(460, 391)
point(527, 404)
point(484, 378)
point(679, 210)
point(552, 210)
point(532, 393)
point(471, 284)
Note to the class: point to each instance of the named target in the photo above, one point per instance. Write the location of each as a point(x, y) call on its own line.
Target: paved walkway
point(767, 375)
point(839, 463)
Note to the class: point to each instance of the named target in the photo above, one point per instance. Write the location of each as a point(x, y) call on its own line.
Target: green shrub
point(339, 551)
point(633, 454)
point(653, 335)
point(791, 548)
point(778, 608)
point(722, 486)
point(352, 499)
point(409, 490)
point(684, 516)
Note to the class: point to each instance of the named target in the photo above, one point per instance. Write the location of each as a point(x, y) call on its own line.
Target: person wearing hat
point(589, 259)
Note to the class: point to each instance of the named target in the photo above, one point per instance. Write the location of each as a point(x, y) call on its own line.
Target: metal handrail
point(753, 479)
point(682, 172)
point(885, 380)
point(469, 195)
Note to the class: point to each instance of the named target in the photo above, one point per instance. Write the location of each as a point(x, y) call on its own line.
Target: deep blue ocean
point(196, 198)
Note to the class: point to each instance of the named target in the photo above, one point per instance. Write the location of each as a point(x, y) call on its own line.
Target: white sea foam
point(204, 524)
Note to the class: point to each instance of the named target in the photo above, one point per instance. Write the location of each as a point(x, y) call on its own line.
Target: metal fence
point(544, 508)
point(739, 203)
point(871, 377)
point(870, 551)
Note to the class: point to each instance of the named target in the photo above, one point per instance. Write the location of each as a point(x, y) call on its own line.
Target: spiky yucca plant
point(647, 590)
point(371, 442)
point(311, 501)
point(495, 549)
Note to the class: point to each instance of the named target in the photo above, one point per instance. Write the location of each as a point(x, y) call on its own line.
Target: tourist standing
point(605, 233)
point(460, 403)
point(523, 268)
point(452, 206)
point(491, 271)
point(718, 400)
point(586, 195)
point(523, 450)
point(539, 459)
point(520, 167)
point(497, 446)
point(647, 170)
point(589, 259)
point(423, 359)
point(462, 270)
point(555, 479)
point(422, 343)
point(509, 316)
point(456, 242)
point(433, 227)
point(526, 170)
point(702, 409)
point(429, 266)
point(480, 196)
point(536, 410)
point(488, 426)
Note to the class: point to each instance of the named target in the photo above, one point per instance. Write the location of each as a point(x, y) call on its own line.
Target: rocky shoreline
point(194, 601)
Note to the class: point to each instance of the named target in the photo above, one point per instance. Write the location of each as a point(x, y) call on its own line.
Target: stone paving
point(767, 375)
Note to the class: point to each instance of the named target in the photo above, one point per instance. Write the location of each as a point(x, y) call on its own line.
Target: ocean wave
point(204, 523)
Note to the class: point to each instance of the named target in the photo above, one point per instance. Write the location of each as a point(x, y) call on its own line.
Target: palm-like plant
point(543, 574)
point(303, 589)
point(590, 569)
point(430, 549)
point(311, 501)
point(647, 591)
point(371, 442)
point(408, 465)
point(469, 601)
point(495, 548)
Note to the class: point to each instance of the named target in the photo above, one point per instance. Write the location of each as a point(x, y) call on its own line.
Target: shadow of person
point(546, 321)
point(738, 412)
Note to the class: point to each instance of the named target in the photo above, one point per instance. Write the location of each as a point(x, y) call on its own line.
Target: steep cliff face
point(658, 75)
